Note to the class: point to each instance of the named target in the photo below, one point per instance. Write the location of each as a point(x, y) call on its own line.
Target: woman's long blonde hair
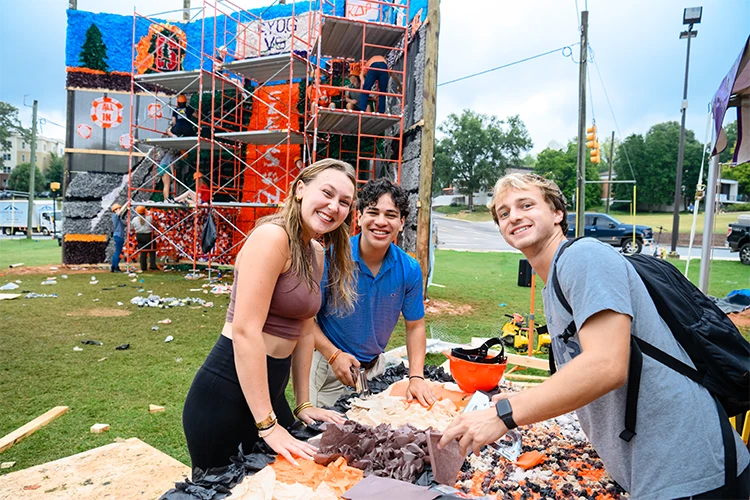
point(342, 293)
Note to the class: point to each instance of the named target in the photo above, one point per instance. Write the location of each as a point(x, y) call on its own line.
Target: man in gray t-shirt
point(677, 451)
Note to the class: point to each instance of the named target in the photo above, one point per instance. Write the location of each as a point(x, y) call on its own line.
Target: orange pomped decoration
point(530, 459)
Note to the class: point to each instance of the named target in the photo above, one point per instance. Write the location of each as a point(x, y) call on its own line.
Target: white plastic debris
point(120, 304)
point(64, 276)
point(9, 286)
point(76, 348)
point(169, 338)
point(80, 294)
point(167, 302)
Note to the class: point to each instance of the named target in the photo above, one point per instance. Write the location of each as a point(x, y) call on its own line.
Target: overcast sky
point(636, 48)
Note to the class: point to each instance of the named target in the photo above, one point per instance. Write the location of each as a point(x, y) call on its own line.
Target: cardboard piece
point(126, 470)
point(377, 488)
point(446, 463)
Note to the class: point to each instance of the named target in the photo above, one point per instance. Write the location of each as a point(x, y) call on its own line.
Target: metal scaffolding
point(252, 116)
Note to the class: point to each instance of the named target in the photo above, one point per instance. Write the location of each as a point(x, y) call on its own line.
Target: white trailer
point(13, 217)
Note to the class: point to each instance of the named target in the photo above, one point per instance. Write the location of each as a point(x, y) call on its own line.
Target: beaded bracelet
point(334, 356)
point(301, 407)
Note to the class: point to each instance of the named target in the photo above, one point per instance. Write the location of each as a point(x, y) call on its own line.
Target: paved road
point(456, 234)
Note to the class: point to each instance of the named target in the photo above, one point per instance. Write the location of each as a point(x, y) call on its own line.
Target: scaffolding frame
point(230, 149)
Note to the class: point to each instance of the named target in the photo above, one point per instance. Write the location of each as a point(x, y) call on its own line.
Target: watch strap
point(505, 413)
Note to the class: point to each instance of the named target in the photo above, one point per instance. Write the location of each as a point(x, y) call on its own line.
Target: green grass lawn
point(664, 219)
point(39, 368)
point(30, 252)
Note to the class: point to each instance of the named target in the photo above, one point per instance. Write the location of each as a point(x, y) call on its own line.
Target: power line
point(560, 49)
point(622, 140)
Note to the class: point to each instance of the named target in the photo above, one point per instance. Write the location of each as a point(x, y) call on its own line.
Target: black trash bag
point(303, 432)
point(208, 235)
point(217, 482)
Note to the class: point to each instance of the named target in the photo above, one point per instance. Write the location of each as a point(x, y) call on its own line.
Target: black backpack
point(717, 349)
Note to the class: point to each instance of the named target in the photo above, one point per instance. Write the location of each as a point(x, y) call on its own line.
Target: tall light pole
point(690, 16)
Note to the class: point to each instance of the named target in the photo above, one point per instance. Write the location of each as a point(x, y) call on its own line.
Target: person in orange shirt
point(321, 98)
point(376, 70)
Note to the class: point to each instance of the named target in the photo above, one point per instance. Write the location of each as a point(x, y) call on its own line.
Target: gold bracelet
point(334, 356)
point(301, 407)
point(263, 433)
point(267, 422)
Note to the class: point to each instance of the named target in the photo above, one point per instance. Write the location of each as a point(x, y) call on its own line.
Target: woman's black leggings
point(216, 418)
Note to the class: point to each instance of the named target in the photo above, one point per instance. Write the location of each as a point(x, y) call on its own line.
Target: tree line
point(19, 176)
point(477, 149)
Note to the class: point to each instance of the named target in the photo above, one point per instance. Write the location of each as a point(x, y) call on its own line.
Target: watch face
point(503, 408)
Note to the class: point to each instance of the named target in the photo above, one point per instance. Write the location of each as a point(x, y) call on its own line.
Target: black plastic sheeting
point(216, 483)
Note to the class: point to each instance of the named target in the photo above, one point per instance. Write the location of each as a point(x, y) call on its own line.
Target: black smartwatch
point(505, 413)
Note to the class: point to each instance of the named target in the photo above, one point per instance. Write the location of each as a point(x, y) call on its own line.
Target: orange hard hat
point(140, 210)
point(182, 98)
point(474, 370)
point(197, 175)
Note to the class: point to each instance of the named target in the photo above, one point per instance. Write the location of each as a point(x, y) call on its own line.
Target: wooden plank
point(124, 470)
point(528, 362)
point(530, 378)
point(30, 428)
point(102, 152)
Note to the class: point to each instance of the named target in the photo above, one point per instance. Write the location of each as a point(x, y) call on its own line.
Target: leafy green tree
point(741, 174)
point(654, 162)
point(94, 52)
point(19, 178)
point(477, 150)
point(55, 169)
point(562, 167)
point(728, 153)
point(9, 123)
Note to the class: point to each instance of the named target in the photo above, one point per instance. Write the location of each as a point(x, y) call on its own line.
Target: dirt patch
point(445, 307)
point(19, 271)
point(101, 312)
point(683, 239)
point(741, 319)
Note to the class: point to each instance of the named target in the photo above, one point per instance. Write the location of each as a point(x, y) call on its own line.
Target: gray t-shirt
point(677, 451)
point(142, 224)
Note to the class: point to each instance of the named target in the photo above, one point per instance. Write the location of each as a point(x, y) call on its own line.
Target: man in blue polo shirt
point(389, 283)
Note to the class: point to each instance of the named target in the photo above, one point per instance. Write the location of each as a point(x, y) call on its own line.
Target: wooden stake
point(428, 139)
point(155, 408)
point(27, 430)
point(99, 428)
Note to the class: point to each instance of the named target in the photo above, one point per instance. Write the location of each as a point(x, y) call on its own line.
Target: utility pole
point(609, 177)
point(424, 212)
point(30, 215)
point(186, 10)
point(690, 20)
point(581, 177)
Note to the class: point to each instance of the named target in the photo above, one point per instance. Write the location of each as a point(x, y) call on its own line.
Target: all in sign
point(106, 112)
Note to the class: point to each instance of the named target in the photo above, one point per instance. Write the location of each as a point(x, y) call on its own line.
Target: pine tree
point(94, 52)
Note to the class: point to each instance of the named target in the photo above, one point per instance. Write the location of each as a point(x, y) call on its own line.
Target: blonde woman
point(237, 396)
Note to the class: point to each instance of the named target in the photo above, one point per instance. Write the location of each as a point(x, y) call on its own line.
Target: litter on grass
point(9, 286)
point(169, 339)
point(32, 295)
point(167, 302)
point(78, 349)
point(49, 282)
point(122, 347)
point(91, 342)
point(154, 328)
point(165, 321)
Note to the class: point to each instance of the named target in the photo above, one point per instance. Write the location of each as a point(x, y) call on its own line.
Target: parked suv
point(607, 229)
point(738, 238)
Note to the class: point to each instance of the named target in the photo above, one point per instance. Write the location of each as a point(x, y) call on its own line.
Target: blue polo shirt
point(396, 289)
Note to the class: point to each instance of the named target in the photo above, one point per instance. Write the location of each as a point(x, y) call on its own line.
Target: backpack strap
point(570, 330)
point(730, 452)
point(634, 387)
